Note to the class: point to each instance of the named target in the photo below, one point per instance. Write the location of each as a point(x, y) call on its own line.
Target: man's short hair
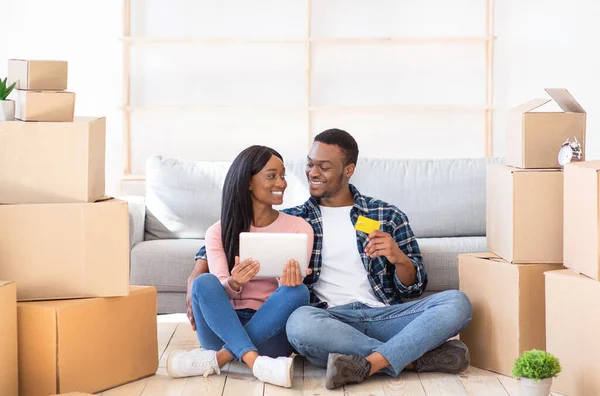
point(343, 140)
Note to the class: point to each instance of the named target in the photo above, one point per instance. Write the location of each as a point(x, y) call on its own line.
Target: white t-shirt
point(343, 277)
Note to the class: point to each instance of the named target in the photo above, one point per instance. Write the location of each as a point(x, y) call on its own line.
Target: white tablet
point(273, 250)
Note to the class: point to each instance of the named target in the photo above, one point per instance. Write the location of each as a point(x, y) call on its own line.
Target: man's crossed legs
point(354, 341)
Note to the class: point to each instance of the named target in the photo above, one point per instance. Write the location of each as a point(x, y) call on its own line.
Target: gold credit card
point(366, 225)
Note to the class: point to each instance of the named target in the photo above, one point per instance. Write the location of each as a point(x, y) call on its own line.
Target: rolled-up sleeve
point(201, 255)
point(407, 242)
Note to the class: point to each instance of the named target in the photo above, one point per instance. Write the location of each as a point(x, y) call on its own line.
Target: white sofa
point(443, 199)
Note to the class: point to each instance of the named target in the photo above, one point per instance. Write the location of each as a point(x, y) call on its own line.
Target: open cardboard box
point(534, 138)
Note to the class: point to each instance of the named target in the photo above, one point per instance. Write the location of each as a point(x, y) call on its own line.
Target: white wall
point(548, 44)
point(540, 44)
point(86, 34)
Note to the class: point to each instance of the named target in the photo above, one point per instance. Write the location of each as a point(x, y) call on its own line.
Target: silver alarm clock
point(570, 151)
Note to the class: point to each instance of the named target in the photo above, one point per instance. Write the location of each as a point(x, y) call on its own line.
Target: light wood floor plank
point(131, 389)
point(163, 385)
point(183, 338)
point(246, 386)
point(481, 382)
point(407, 384)
point(511, 385)
point(373, 386)
point(441, 384)
point(199, 386)
point(165, 333)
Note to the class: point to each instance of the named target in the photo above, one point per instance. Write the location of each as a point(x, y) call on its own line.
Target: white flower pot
point(7, 110)
point(533, 388)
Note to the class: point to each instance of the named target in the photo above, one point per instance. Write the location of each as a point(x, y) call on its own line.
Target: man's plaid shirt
point(382, 274)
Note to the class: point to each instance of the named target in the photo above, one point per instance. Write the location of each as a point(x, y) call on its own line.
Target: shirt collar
point(360, 203)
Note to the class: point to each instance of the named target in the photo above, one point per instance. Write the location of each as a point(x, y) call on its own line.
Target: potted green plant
point(7, 106)
point(535, 369)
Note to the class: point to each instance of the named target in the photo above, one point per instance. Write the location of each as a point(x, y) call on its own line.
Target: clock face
point(565, 155)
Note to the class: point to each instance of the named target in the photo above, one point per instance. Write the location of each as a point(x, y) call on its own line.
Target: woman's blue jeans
point(219, 325)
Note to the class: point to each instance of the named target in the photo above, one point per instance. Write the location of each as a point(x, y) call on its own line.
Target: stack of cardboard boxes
point(573, 295)
point(80, 325)
point(41, 90)
point(524, 228)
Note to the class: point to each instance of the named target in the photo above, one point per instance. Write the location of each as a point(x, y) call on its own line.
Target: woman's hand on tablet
point(291, 274)
point(243, 272)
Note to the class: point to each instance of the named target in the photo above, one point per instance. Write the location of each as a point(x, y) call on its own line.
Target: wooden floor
point(174, 332)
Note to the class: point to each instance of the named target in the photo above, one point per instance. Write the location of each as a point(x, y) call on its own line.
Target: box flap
point(533, 170)
point(480, 255)
point(566, 273)
point(38, 349)
point(565, 100)
point(530, 105)
point(4, 283)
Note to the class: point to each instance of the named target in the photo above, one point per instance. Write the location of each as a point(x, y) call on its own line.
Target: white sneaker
point(274, 371)
point(191, 363)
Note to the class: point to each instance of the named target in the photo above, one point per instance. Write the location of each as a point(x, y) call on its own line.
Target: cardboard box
point(87, 345)
point(9, 380)
point(524, 214)
point(38, 74)
point(572, 327)
point(582, 217)
point(534, 138)
point(508, 309)
point(51, 162)
point(56, 251)
point(47, 106)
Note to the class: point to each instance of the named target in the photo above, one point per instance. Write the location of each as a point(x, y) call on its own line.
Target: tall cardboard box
point(534, 138)
point(8, 339)
point(508, 309)
point(50, 106)
point(38, 74)
point(582, 218)
point(572, 327)
point(524, 214)
point(87, 345)
point(56, 251)
point(52, 162)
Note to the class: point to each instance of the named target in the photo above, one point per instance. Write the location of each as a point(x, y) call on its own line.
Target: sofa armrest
point(137, 219)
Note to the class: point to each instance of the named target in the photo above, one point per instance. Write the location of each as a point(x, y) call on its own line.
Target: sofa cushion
point(183, 198)
point(166, 263)
point(441, 262)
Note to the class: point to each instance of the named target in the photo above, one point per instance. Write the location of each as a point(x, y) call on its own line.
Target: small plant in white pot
point(535, 369)
point(7, 106)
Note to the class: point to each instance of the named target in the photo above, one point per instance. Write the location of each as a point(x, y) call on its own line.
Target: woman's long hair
point(236, 203)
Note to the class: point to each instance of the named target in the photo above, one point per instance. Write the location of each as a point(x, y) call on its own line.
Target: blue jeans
point(219, 326)
point(401, 333)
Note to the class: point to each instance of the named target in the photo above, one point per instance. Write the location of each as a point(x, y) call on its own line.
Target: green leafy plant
point(4, 90)
point(536, 365)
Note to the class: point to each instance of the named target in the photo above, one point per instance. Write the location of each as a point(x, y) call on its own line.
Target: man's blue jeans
point(401, 333)
point(218, 325)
